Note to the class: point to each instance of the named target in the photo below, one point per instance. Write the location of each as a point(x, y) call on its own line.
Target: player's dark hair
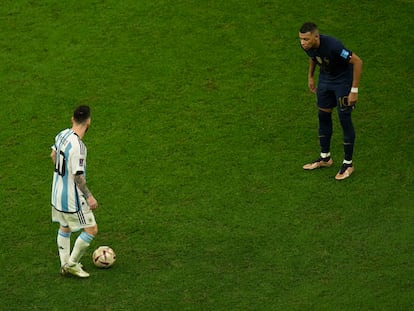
point(81, 114)
point(308, 27)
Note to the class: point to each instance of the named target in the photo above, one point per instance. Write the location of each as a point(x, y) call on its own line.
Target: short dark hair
point(81, 114)
point(308, 27)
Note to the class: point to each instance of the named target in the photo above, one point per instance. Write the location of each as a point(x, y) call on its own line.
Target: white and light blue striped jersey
point(70, 160)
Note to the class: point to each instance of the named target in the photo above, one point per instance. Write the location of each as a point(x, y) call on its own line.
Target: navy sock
point(325, 130)
point(349, 133)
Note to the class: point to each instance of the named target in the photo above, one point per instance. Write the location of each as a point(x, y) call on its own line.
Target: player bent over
point(339, 77)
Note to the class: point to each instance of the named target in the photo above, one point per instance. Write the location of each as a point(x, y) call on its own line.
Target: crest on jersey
point(81, 162)
point(344, 54)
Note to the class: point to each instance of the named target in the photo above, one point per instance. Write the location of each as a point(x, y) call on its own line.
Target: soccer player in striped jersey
point(339, 76)
point(72, 201)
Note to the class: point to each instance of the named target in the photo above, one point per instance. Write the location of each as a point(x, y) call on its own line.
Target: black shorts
point(333, 95)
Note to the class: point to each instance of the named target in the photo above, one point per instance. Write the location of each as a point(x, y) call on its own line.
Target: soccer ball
point(103, 257)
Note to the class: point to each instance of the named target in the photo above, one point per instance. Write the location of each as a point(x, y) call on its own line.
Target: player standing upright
point(72, 202)
point(340, 73)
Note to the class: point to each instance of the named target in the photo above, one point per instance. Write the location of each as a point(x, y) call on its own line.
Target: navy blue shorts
point(333, 95)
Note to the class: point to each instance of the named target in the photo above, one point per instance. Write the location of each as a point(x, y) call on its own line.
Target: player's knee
point(324, 117)
point(345, 118)
point(92, 230)
point(347, 126)
point(325, 124)
point(328, 110)
point(65, 229)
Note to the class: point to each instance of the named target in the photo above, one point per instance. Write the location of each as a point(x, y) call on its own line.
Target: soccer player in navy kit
point(340, 73)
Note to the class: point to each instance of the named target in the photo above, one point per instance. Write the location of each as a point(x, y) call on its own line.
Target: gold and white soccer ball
point(103, 257)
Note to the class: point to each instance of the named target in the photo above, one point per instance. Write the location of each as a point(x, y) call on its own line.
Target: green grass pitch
point(201, 122)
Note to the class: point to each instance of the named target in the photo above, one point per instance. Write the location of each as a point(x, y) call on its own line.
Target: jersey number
point(60, 167)
point(344, 104)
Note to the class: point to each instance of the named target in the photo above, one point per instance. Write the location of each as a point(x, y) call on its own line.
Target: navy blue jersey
point(333, 60)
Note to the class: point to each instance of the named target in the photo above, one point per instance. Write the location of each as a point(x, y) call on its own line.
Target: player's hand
point(93, 204)
point(352, 99)
point(311, 85)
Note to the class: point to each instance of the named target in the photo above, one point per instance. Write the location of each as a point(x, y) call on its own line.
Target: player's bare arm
point(53, 156)
point(357, 63)
point(81, 184)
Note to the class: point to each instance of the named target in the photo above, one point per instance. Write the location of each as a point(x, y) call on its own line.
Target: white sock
point(63, 243)
point(82, 243)
point(347, 162)
point(325, 155)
